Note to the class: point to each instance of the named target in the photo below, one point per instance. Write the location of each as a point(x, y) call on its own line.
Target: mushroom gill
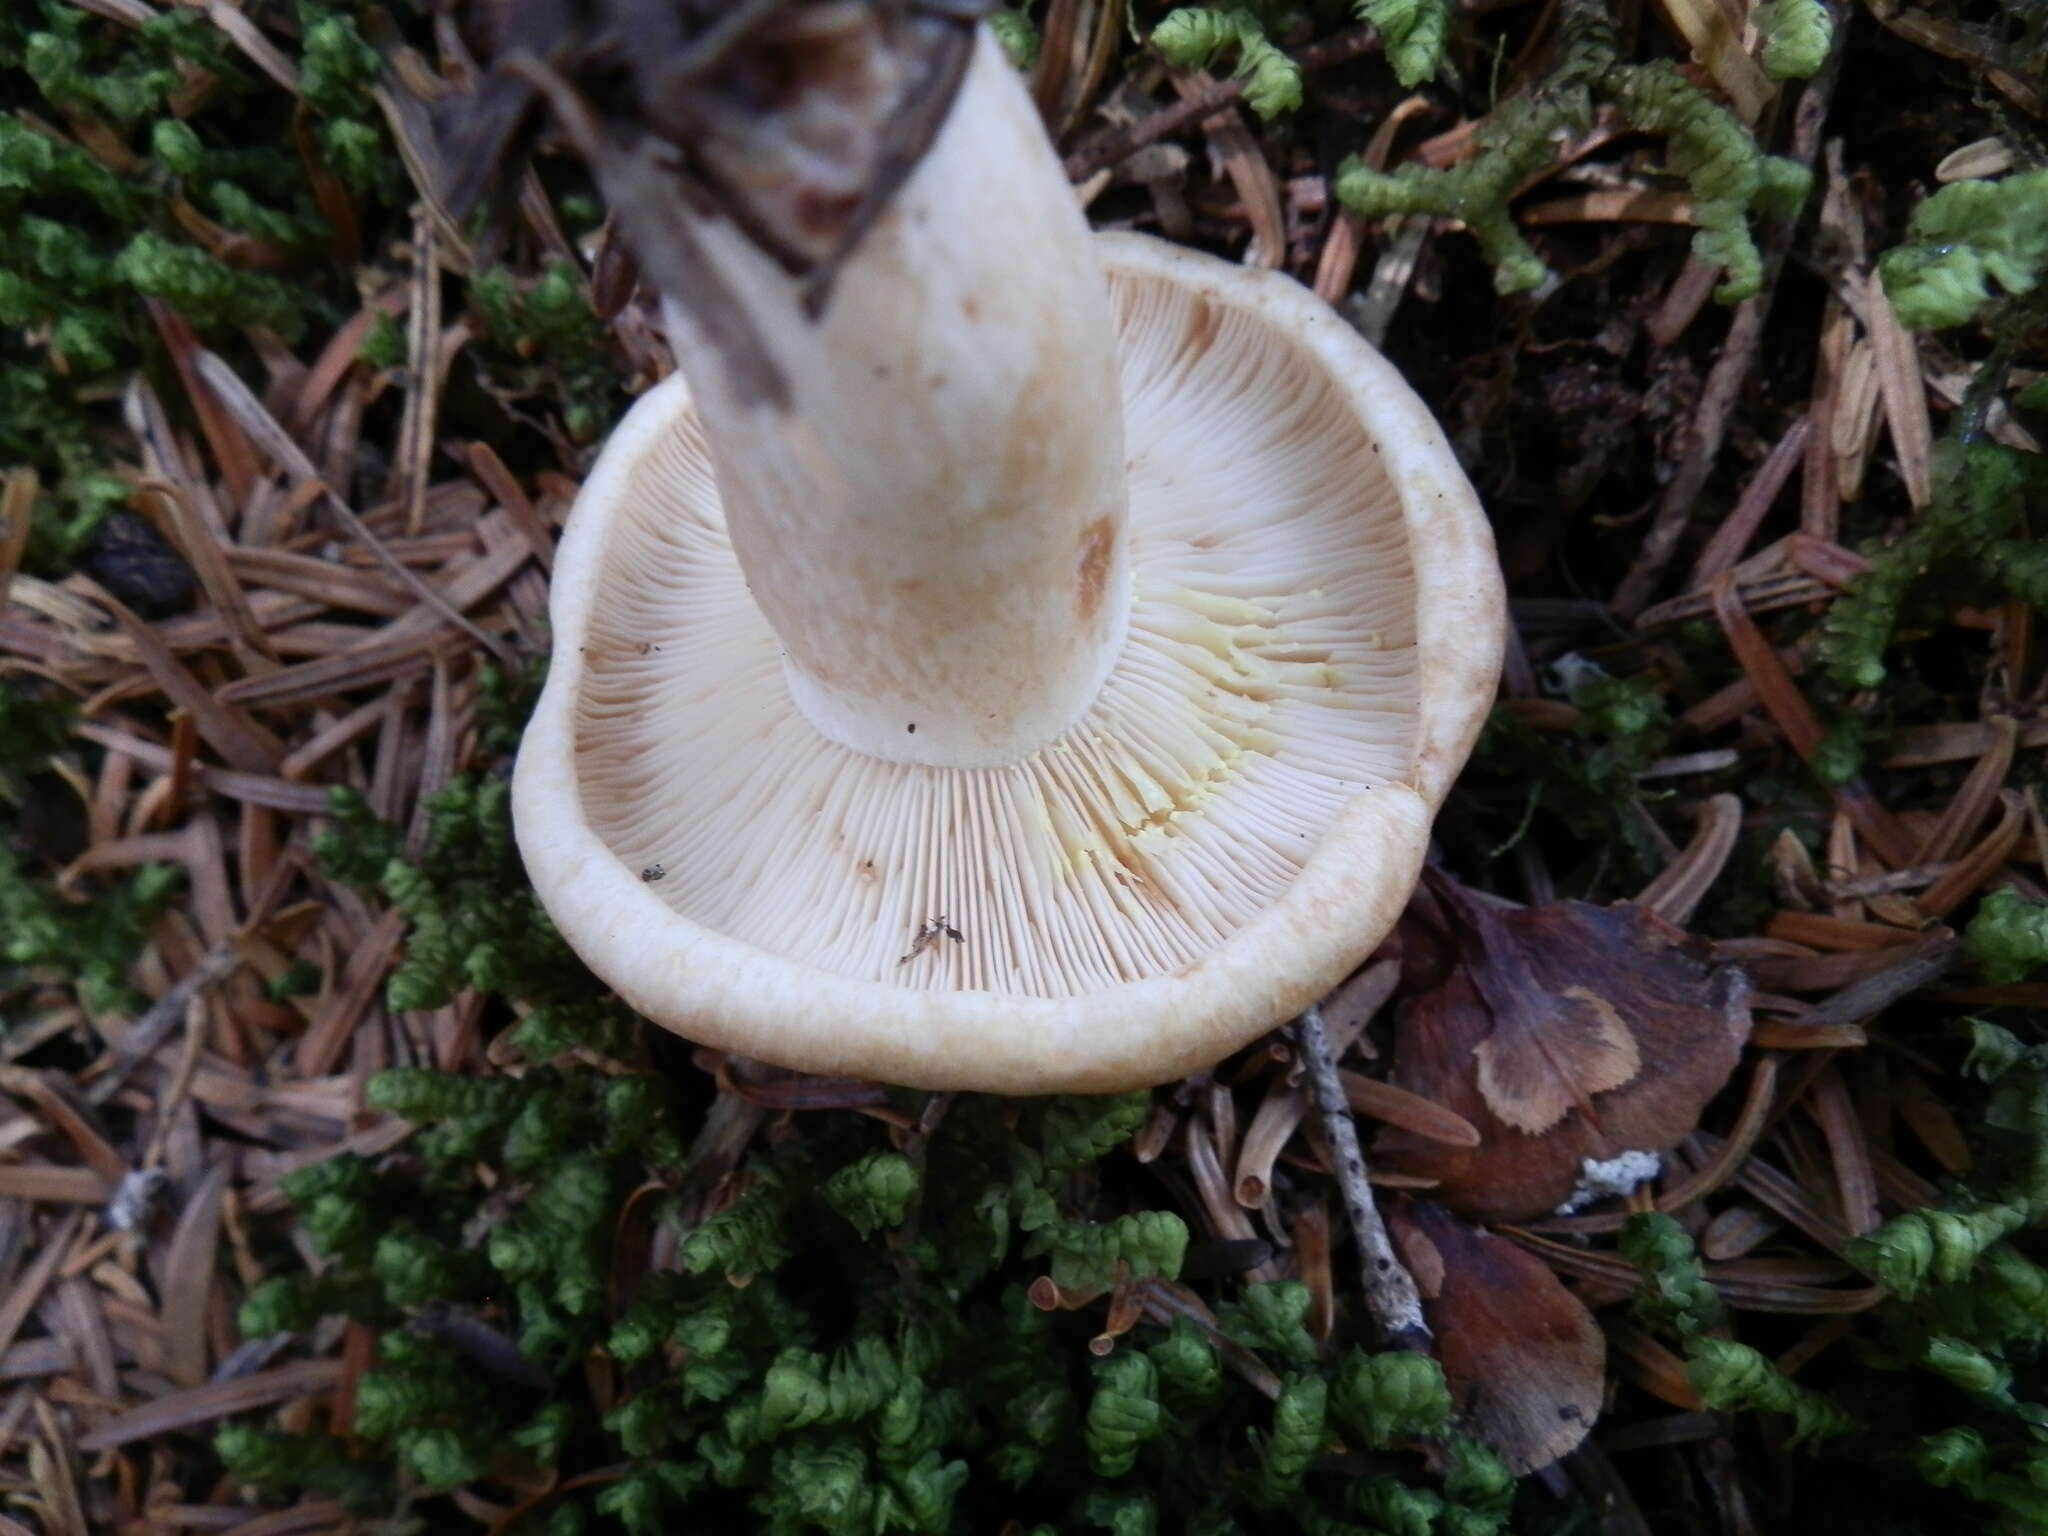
point(1269, 678)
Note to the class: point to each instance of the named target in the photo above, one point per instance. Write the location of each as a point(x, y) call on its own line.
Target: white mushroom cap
point(1238, 818)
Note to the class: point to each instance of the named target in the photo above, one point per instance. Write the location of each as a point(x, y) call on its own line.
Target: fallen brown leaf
point(1555, 1041)
point(1686, 1017)
point(1524, 1359)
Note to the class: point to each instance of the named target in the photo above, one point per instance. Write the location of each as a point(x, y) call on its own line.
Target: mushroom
point(1035, 672)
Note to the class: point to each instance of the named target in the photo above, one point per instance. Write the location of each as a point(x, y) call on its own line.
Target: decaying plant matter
point(335, 1194)
point(1568, 1035)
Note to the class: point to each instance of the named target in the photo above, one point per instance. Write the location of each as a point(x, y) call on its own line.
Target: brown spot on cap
point(1098, 543)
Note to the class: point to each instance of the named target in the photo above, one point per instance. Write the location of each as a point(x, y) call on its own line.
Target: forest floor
point(274, 566)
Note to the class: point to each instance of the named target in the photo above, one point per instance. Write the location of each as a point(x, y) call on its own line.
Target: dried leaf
point(1687, 1017)
point(1523, 1358)
point(1555, 1041)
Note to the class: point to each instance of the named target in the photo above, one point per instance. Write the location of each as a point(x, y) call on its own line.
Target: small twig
point(1119, 144)
point(1390, 1293)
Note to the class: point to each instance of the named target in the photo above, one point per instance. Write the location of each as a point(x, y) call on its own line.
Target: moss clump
point(1195, 36)
point(847, 1347)
point(544, 339)
point(90, 939)
point(193, 194)
point(1970, 544)
point(1968, 244)
point(2008, 938)
point(1586, 780)
point(844, 1341)
point(1731, 179)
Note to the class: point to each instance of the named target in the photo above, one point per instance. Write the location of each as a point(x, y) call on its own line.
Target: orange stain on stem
point(1098, 543)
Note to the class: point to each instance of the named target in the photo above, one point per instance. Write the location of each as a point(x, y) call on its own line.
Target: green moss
point(1966, 244)
point(475, 921)
point(277, 1463)
point(88, 938)
point(1386, 1398)
point(1018, 34)
point(1731, 179)
point(1586, 780)
point(1735, 1377)
point(808, 1366)
point(384, 345)
point(874, 1192)
point(1195, 36)
point(2008, 937)
point(1414, 33)
point(1675, 1292)
point(544, 340)
point(204, 289)
point(83, 245)
point(1273, 1318)
point(1797, 35)
point(1969, 545)
point(33, 729)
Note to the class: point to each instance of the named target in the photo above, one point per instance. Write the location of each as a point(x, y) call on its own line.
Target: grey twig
point(1390, 1293)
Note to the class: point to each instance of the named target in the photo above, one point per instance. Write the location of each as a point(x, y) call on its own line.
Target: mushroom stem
point(932, 516)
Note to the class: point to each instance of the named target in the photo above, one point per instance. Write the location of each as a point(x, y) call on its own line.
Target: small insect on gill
point(934, 929)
